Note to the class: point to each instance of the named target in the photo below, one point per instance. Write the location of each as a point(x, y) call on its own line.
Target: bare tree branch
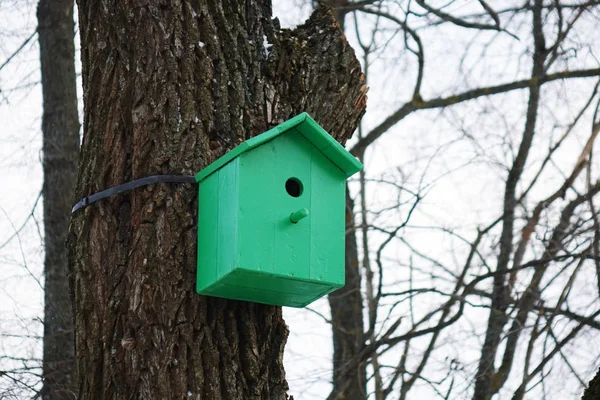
point(441, 102)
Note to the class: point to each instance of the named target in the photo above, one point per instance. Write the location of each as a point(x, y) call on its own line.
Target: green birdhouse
point(271, 220)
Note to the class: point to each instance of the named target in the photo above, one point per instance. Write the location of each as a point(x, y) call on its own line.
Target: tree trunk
point(347, 323)
point(60, 126)
point(592, 392)
point(340, 10)
point(168, 88)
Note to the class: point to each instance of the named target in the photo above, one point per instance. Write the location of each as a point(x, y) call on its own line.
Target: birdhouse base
point(268, 288)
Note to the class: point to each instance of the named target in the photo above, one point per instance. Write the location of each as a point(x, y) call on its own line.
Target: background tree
point(168, 88)
point(23, 350)
point(60, 128)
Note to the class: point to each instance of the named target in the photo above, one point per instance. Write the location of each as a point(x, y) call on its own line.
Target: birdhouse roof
point(309, 128)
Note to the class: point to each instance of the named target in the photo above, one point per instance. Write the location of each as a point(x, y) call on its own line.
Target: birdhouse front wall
point(248, 247)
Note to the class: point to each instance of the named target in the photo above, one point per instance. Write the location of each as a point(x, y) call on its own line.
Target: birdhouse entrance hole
point(294, 187)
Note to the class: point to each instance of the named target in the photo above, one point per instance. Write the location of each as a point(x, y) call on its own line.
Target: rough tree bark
point(168, 88)
point(340, 10)
point(592, 392)
point(60, 127)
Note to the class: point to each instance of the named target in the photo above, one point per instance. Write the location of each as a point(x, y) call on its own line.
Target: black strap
point(86, 201)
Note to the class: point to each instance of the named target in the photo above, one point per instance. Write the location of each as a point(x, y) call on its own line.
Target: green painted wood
point(313, 133)
point(271, 218)
point(328, 183)
point(208, 220)
point(298, 215)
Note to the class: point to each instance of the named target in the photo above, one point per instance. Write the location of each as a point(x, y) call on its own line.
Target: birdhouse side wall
point(218, 206)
